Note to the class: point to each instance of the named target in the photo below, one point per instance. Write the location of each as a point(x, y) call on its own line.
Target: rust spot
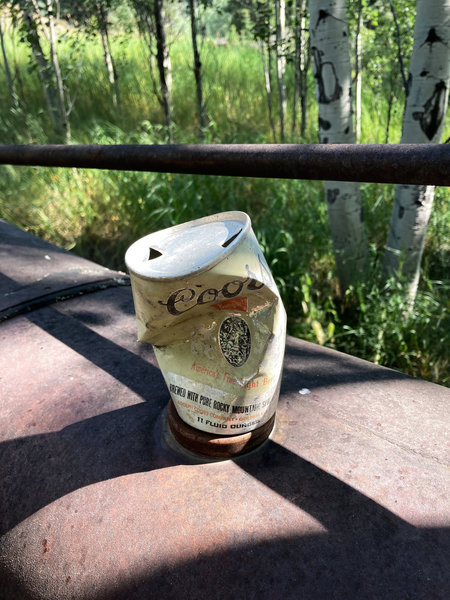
point(83, 556)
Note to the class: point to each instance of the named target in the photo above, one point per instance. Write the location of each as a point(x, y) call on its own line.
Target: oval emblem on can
point(235, 341)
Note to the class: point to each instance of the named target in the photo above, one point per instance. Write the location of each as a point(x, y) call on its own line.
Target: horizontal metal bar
point(427, 164)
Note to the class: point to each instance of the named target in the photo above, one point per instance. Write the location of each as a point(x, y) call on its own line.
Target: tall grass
point(99, 213)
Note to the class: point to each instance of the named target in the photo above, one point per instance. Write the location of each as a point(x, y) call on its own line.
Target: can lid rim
point(133, 256)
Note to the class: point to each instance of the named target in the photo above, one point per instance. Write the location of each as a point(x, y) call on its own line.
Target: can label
point(218, 335)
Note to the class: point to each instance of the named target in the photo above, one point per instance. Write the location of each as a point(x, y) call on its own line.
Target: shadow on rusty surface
point(323, 567)
point(365, 550)
point(353, 371)
point(117, 442)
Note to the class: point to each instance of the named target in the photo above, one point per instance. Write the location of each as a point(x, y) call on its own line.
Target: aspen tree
point(101, 10)
point(201, 110)
point(64, 110)
point(164, 63)
point(358, 72)
point(151, 20)
point(423, 122)
point(280, 35)
point(301, 62)
point(6, 67)
point(332, 71)
point(47, 67)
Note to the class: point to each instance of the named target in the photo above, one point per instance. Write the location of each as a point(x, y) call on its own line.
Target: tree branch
point(399, 48)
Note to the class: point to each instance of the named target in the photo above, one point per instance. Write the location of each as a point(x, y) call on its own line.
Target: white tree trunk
point(358, 73)
point(268, 84)
point(9, 79)
point(280, 20)
point(304, 65)
point(423, 122)
point(102, 20)
point(332, 71)
point(201, 110)
point(299, 67)
point(30, 20)
point(164, 64)
point(108, 58)
point(57, 71)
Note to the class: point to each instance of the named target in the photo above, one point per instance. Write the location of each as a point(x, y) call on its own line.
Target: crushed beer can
point(205, 298)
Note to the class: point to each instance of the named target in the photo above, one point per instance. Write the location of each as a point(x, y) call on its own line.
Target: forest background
point(113, 84)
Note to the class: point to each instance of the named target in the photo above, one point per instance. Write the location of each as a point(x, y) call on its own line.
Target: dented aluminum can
point(205, 298)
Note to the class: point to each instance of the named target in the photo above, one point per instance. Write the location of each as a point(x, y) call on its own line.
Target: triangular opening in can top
point(231, 239)
point(154, 254)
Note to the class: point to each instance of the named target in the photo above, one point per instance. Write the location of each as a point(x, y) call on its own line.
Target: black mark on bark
point(324, 124)
point(324, 14)
point(325, 71)
point(332, 195)
point(408, 84)
point(433, 38)
point(401, 212)
point(433, 111)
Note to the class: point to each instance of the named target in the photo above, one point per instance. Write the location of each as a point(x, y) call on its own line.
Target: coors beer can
point(205, 298)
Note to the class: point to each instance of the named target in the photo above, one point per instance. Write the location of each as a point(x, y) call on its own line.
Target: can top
point(188, 248)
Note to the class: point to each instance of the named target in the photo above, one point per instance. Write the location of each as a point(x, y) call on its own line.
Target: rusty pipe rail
point(427, 164)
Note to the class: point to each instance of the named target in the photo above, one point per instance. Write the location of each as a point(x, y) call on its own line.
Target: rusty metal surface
point(379, 163)
point(34, 272)
point(349, 498)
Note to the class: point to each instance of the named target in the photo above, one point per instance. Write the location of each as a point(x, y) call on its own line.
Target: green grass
point(98, 214)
